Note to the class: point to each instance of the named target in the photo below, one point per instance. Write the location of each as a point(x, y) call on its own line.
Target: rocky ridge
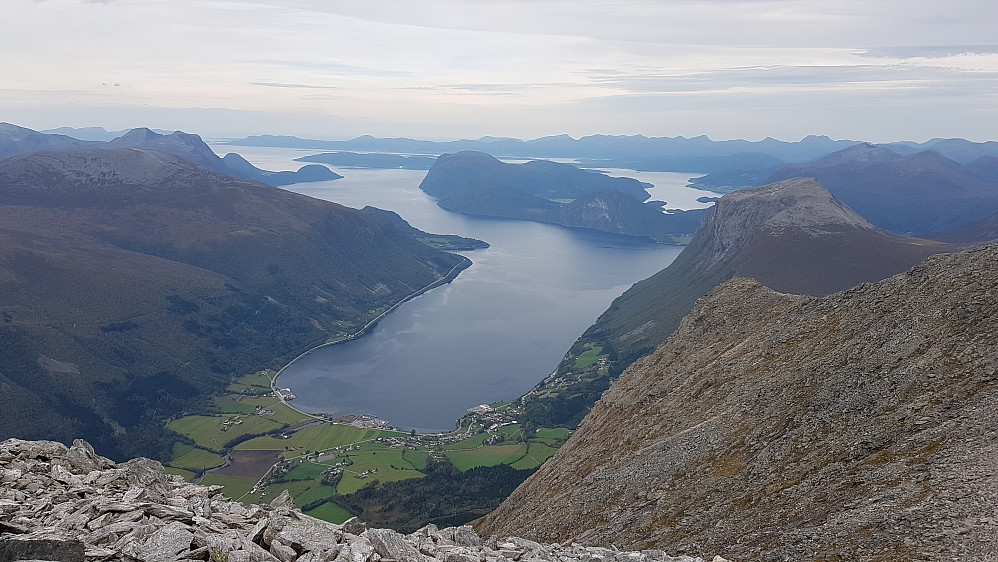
point(792, 236)
point(856, 426)
point(71, 505)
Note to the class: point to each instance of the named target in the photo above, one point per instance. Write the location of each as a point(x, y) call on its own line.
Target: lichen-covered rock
point(71, 505)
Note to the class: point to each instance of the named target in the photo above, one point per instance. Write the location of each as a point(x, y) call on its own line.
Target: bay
point(491, 334)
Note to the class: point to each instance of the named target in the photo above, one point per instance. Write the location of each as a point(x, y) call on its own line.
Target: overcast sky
point(875, 70)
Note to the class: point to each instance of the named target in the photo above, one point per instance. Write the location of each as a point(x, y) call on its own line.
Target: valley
point(365, 426)
point(255, 445)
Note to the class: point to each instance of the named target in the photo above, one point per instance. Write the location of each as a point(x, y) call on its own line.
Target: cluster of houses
point(232, 422)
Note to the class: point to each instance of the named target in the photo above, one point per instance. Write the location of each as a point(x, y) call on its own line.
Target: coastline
point(451, 275)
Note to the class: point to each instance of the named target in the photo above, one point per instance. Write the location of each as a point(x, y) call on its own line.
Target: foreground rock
point(71, 505)
point(857, 426)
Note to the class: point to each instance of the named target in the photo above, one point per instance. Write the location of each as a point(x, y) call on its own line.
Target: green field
point(303, 491)
point(208, 431)
point(235, 486)
point(487, 456)
point(306, 471)
point(588, 357)
point(317, 438)
point(415, 458)
point(237, 404)
point(550, 436)
point(331, 512)
point(197, 460)
point(509, 431)
point(185, 474)
point(257, 383)
point(537, 453)
point(355, 451)
point(388, 464)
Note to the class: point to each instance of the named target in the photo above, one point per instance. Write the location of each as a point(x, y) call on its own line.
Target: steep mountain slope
point(132, 282)
point(792, 236)
point(857, 426)
point(476, 183)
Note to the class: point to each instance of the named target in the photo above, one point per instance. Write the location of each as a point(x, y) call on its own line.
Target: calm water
point(492, 334)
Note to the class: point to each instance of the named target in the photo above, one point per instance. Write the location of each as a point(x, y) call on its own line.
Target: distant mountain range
point(680, 154)
point(93, 133)
point(134, 283)
point(476, 183)
point(793, 236)
point(917, 193)
point(18, 140)
point(371, 160)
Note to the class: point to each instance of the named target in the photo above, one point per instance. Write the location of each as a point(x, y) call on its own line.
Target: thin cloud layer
point(882, 70)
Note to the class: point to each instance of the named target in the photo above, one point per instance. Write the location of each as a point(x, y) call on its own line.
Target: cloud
point(929, 51)
point(289, 85)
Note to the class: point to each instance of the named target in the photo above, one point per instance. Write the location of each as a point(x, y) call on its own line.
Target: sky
point(873, 70)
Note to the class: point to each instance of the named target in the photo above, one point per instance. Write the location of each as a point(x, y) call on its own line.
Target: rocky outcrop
point(71, 505)
point(857, 426)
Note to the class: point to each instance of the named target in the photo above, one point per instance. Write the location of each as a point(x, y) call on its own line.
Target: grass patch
point(256, 383)
point(209, 432)
point(306, 471)
point(317, 438)
point(535, 456)
point(234, 486)
point(186, 474)
point(180, 449)
point(478, 440)
point(197, 460)
point(550, 436)
point(278, 411)
point(302, 492)
point(416, 459)
point(231, 404)
point(331, 512)
point(487, 456)
point(380, 463)
point(588, 358)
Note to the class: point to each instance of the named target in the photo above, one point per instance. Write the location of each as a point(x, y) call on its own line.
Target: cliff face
point(855, 426)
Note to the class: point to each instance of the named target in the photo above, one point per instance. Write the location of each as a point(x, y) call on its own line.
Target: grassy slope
point(142, 297)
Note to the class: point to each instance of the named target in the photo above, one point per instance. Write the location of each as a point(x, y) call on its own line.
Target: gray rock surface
point(67, 504)
point(857, 426)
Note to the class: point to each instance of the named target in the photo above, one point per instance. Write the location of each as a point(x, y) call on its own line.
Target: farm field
point(272, 448)
point(318, 438)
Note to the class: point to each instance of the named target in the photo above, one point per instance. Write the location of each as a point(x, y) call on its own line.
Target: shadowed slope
point(132, 282)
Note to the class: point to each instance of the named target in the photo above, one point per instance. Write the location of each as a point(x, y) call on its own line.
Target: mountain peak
point(862, 152)
point(800, 204)
point(138, 134)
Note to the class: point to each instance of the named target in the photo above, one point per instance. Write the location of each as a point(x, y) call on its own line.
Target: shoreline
point(450, 276)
